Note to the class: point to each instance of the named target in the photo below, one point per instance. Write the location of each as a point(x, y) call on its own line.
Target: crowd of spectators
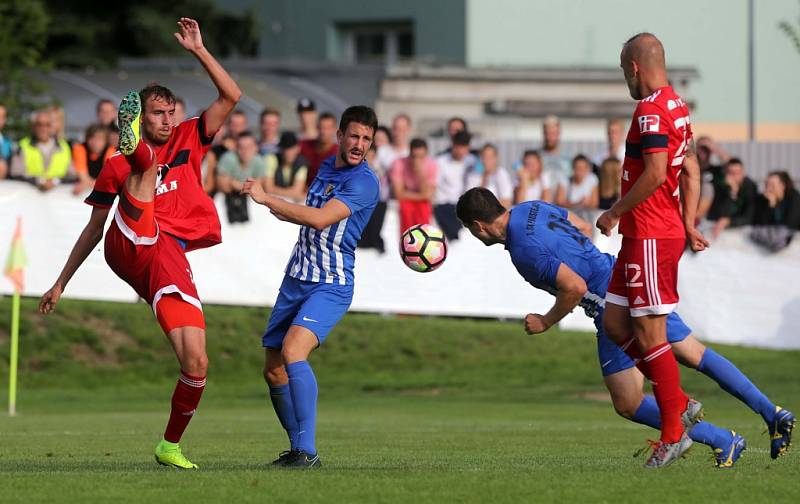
point(425, 185)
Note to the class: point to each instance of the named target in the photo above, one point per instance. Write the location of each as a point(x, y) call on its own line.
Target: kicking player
point(318, 286)
point(644, 286)
point(162, 213)
point(549, 250)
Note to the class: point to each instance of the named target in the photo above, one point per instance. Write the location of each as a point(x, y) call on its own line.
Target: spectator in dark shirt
point(779, 204)
point(713, 175)
point(287, 175)
point(609, 182)
point(307, 116)
point(88, 157)
point(734, 202)
point(321, 148)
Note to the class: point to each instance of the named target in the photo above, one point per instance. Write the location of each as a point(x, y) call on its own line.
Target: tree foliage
point(87, 33)
point(23, 37)
point(792, 31)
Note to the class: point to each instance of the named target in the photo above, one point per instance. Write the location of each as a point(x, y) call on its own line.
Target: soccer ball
point(423, 248)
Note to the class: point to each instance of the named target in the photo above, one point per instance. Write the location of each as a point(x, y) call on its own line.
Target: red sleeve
point(653, 123)
point(108, 183)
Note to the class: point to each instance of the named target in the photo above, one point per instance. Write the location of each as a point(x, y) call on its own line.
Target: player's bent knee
point(276, 376)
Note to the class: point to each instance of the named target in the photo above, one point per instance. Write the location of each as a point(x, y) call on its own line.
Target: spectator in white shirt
point(492, 177)
point(579, 192)
point(531, 182)
point(450, 183)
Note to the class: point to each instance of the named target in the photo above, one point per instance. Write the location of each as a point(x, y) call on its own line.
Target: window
point(387, 42)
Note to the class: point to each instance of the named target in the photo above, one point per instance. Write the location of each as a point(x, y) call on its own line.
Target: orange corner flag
point(17, 260)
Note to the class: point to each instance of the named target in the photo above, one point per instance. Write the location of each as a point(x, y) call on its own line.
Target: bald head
point(646, 50)
point(643, 63)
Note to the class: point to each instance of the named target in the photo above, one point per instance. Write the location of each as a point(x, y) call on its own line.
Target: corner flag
point(15, 265)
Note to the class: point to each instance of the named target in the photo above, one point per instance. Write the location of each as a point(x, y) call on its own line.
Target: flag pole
point(12, 365)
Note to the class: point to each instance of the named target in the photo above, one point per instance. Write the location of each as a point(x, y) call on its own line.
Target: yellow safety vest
point(34, 161)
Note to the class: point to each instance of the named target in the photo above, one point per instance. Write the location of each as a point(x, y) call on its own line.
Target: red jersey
point(310, 150)
point(182, 208)
point(660, 124)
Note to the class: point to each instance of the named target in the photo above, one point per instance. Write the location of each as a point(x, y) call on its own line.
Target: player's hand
point(48, 302)
point(254, 189)
point(189, 34)
point(696, 240)
point(607, 221)
point(535, 323)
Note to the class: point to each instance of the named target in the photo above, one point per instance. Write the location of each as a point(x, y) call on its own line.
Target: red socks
point(662, 370)
point(142, 159)
point(184, 403)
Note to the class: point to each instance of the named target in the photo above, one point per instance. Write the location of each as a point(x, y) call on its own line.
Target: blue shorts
point(613, 359)
point(316, 306)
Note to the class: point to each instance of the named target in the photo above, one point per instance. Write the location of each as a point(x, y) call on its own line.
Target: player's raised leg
point(780, 422)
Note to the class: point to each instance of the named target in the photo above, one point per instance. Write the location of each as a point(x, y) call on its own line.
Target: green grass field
point(411, 409)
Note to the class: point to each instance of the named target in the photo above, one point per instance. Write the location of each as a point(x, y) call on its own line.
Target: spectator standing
point(450, 183)
point(615, 138)
point(713, 174)
point(556, 165)
point(414, 184)
point(88, 157)
point(779, 205)
point(734, 203)
point(579, 192)
point(307, 116)
point(105, 112)
point(287, 170)
point(531, 181)
point(382, 137)
point(233, 169)
point(493, 177)
point(237, 124)
point(6, 145)
point(609, 185)
point(321, 148)
point(371, 236)
point(399, 145)
point(270, 124)
point(43, 159)
point(180, 111)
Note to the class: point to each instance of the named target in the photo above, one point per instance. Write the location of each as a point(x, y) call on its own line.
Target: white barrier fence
point(733, 293)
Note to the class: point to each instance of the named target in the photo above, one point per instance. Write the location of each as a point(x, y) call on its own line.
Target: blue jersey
point(328, 255)
point(540, 239)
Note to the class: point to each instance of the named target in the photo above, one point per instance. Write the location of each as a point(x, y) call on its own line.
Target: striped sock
point(185, 399)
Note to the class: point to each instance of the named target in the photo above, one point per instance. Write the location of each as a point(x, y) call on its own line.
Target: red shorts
point(645, 276)
point(413, 212)
point(153, 263)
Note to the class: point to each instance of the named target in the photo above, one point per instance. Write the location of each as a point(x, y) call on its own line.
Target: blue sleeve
point(538, 266)
point(359, 192)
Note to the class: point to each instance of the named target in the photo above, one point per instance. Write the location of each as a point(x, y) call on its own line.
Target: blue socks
point(303, 388)
point(284, 407)
point(703, 432)
point(732, 381)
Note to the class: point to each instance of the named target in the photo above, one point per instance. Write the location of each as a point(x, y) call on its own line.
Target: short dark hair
point(581, 157)
point(157, 92)
point(784, 177)
point(462, 138)
point(386, 131)
point(94, 129)
point(246, 134)
point(478, 204)
point(734, 160)
point(239, 112)
point(418, 143)
point(326, 116)
point(101, 102)
point(531, 152)
point(360, 114)
point(269, 111)
point(458, 119)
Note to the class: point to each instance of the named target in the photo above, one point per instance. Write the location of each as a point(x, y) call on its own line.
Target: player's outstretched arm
point(654, 174)
point(690, 196)
point(581, 225)
point(571, 289)
point(189, 37)
point(318, 218)
point(88, 239)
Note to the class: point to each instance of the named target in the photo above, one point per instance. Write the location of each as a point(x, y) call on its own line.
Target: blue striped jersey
point(540, 238)
point(328, 255)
